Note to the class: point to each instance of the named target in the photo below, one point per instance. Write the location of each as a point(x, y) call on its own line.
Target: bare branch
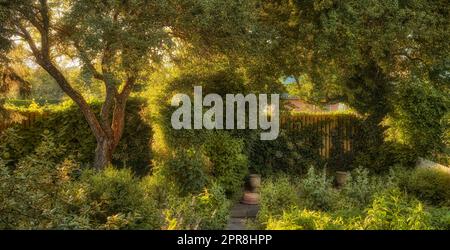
point(26, 35)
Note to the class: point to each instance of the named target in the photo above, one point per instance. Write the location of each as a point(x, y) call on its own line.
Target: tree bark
point(105, 141)
point(103, 153)
point(108, 144)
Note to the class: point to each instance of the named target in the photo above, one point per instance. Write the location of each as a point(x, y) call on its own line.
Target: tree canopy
point(363, 53)
point(351, 48)
point(118, 42)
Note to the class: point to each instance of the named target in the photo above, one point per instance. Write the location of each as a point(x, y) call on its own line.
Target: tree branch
point(85, 58)
point(43, 58)
point(127, 88)
point(26, 35)
point(111, 90)
point(119, 110)
point(45, 42)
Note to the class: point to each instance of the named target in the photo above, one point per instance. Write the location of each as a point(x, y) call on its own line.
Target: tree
point(360, 52)
point(368, 42)
point(117, 42)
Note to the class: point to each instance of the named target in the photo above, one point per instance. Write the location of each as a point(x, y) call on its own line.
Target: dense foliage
point(43, 191)
point(292, 152)
point(107, 157)
point(384, 59)
point(72, 134)
point(365, 202)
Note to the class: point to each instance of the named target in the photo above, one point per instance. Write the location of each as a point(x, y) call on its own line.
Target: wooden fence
point(27, 119)
point(337, 132)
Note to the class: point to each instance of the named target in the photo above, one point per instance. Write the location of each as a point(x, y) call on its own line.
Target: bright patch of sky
point(288, 80)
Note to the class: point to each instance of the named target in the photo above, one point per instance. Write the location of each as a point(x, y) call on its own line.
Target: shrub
point(398, 175)
point(393, 210)
point(316, 191)
point(292, 152)
point(431, 185)
point(305, 220)
point(277, 195)
point(45, 191)
point(222, 155)
point(186, 169)
point(366, 202)
point(114, 199)
point(360, 188)
point(157, 189)
point(440, 218)
point(418, 116)
point(31, 193)
point(227, 160)
point(207, 210)
point(11, 148)
point(376, 146)
point(381, 157)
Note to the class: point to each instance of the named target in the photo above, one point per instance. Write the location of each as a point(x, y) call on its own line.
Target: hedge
point(72, 133)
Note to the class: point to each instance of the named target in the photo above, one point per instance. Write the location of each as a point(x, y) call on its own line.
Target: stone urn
point(251, 194)
point(254, 182)
point(342, 178)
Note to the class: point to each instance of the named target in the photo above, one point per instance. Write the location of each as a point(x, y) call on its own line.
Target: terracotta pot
point(342, 178)
point(250, 198)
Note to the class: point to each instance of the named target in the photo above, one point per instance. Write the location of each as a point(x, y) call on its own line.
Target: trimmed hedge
point(72, 133)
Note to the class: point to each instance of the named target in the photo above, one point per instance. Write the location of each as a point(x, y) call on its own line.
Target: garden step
point(239, 214)
point(244, 211)
point(236, 224)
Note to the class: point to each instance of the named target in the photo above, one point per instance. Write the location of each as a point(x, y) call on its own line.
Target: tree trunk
point(108, 144)
point(106, 132)
point(103, 153)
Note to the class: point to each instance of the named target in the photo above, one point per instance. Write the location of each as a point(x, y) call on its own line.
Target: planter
point(342, 178)
point(254, 182)
point(250, 198)
point(251, 195)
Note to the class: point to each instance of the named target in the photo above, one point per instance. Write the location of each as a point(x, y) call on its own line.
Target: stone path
point(239, 214)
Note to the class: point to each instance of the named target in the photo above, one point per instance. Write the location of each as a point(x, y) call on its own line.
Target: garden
point(86, 114)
